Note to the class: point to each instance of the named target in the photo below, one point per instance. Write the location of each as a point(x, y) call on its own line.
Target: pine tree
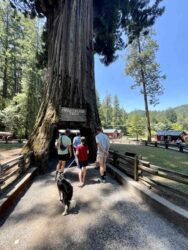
point(116, 116)
point(143, 68)
point(135, 125)
point(22, 81)
point(123, 120)
point(107, 111)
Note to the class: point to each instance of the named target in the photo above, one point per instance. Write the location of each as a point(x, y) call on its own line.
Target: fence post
point(180, 148)
point(166, 144)
point(1, 169)
point(21, 164)
point(114, 158)
point(1, 179)
point(146, 143)
point(155, 143)
point(136, 168)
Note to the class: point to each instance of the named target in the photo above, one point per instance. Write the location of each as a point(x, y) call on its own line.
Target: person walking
point(103, 145)
point(63, 145)
point(82, 152)
point(76, 142)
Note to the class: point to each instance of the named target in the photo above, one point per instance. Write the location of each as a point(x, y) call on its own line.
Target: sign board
point(72, 115)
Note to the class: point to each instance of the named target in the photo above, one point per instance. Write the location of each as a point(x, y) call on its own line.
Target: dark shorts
point(63, 157)
point(82, 164)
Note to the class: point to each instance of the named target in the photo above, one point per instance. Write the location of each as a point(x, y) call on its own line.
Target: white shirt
point(103, 143)
point(66, 142)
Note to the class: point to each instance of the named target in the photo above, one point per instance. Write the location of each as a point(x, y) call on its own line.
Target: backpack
point(62, 146)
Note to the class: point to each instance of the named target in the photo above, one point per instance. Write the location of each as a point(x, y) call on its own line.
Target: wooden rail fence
point(167, 145)
point(11, 170)
point(139, 169)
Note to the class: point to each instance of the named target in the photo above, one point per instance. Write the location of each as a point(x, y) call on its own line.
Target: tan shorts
point(101, 158)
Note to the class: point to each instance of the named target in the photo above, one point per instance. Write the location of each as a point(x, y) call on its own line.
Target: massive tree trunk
point(70, 80)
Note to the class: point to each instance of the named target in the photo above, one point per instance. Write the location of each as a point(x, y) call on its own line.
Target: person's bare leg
point(101, 169)
point(57, 169)
point(80, 178)
point(83, 174)
point(62, 166)
point(104, 169)
point(58, 165)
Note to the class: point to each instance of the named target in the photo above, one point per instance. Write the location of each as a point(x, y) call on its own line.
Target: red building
point(111, 133)
point(170, 135)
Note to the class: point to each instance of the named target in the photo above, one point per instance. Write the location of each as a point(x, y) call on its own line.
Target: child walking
point(82, 152)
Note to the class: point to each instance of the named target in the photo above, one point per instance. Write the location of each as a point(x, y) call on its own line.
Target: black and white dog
point(65, 191)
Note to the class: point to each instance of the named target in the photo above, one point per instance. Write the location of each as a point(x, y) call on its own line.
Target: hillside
point(171, 118)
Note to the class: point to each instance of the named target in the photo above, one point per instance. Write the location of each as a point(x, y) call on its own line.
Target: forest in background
point(22, 77)
point(134, 123)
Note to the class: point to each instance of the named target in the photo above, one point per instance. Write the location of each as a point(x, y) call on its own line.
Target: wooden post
point(166, 144)
point(146, 143)
point(1, 169)
point(155, 143)
point(115, 159)
point(21, 165)
point(136, 168)
point(1, 180)
point(180, 148)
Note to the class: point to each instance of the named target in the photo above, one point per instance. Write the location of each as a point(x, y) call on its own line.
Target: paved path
point(106, 217)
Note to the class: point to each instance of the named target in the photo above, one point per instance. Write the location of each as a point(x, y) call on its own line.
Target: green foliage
point(107, 111)
point(182, 117)
point(171, 115)
point(160, 120)
point(14, 115)
point(111, 115)
point(10, 51)
point(136, 125)
point(9, 146)
point(142, 67)
point(20, 79)
point(114, 17)
point(116, 115)
point(111, 19)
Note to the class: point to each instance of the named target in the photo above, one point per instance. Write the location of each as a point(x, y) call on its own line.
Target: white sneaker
point(101, 180)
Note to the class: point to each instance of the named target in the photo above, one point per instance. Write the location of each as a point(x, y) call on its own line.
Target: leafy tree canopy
point(112, 18)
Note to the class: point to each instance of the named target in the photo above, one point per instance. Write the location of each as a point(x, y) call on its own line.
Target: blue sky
point(172, 38)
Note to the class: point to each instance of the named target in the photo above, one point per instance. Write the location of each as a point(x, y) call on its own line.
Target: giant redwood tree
point(76, 29)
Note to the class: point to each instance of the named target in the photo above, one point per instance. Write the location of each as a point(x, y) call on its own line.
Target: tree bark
point(70, 79)
point(5, 70)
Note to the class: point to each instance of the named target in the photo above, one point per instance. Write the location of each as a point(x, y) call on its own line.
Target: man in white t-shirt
point(103, 145)
point(63, 154)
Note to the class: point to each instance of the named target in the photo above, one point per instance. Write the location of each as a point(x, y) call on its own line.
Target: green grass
point(166, 158)
point(8, 146)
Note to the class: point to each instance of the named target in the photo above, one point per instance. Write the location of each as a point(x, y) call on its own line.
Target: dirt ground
point(106, 216)
point(179, 201)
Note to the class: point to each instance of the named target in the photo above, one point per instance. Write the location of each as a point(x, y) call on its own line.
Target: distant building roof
point(109, 131)
point(72, 131)
point(6, 133)
point(170, 132)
